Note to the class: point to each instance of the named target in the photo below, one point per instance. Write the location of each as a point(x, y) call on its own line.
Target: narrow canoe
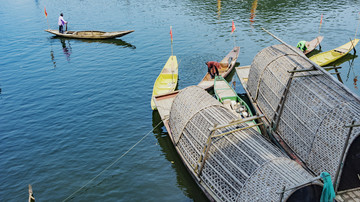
point(328, 57)
point(230, 99)
point(311, 45)
point(227, 64)
point(89, 34)
point(166, 82)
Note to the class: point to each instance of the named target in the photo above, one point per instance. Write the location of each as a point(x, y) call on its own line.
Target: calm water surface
point(69, 108)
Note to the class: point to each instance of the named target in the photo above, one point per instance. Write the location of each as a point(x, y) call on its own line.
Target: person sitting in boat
point(302, 46)
point(61, 23)
point(213, 68)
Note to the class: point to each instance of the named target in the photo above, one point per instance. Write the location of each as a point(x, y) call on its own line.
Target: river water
point(70, 108)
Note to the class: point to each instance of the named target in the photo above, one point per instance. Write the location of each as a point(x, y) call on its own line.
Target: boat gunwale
point(335, 50)
point(104, 35)
point(173, 86)
point(225, 73)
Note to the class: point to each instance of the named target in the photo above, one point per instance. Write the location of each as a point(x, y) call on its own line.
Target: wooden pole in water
point(320, 23)
point(171, 40)
point(172, 51)
point(233, 28)
point(352, 46)
point(31, 195)
point(338, 75)
point(46, 17)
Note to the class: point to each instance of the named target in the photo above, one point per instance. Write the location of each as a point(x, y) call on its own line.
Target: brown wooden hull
point(227, 64)
point(89, 34)
point(311, 45)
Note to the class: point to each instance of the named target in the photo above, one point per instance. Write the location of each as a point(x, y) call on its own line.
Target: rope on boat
point(69, 197)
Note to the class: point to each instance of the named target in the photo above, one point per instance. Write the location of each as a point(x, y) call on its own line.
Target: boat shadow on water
point(348, 57)
point(117, 42)
point(184, 179)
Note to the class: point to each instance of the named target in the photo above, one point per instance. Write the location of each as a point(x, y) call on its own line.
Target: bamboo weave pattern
point(241, 166)
point(315, 111)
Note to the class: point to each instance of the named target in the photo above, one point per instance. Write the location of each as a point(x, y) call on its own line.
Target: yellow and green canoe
point(166, 82)
point(328, 57)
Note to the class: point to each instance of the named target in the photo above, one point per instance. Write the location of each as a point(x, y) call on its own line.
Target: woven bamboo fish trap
point(316, 115)
point(236, 163)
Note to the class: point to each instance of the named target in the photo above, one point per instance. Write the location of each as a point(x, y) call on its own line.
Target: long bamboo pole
point(294, 50)
point(171, 40)
point(320, 24)
point(357, 27)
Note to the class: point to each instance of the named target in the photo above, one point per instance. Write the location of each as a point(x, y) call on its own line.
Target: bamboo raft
point(313, 116)
point(229, 159)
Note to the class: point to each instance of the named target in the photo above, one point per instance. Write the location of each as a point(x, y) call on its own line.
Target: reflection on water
point(355, 82)
point(66, 48)
point(253, 11)
point(52, 57)
point(219, 8)
point(347, 58)
point(184, 179)
point(117, 42)
point(351, 69)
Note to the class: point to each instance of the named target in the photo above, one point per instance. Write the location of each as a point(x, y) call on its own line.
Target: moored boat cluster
point(300, 146)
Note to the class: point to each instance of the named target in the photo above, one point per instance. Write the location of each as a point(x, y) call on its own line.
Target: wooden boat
point(166, 82)
point(89, 34)
point(307, 116)
point(227, 158)
point(229, 98)
point(227, 64)
point(311, 45)
point(328, 57)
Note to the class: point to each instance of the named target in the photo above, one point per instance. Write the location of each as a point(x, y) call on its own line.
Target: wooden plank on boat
point(243, 74)
point(163, 103)
point(223, 90)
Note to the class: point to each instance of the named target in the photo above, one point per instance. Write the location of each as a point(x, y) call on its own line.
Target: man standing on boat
point(61, 23)
point(302, 46)
point(213, 68)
